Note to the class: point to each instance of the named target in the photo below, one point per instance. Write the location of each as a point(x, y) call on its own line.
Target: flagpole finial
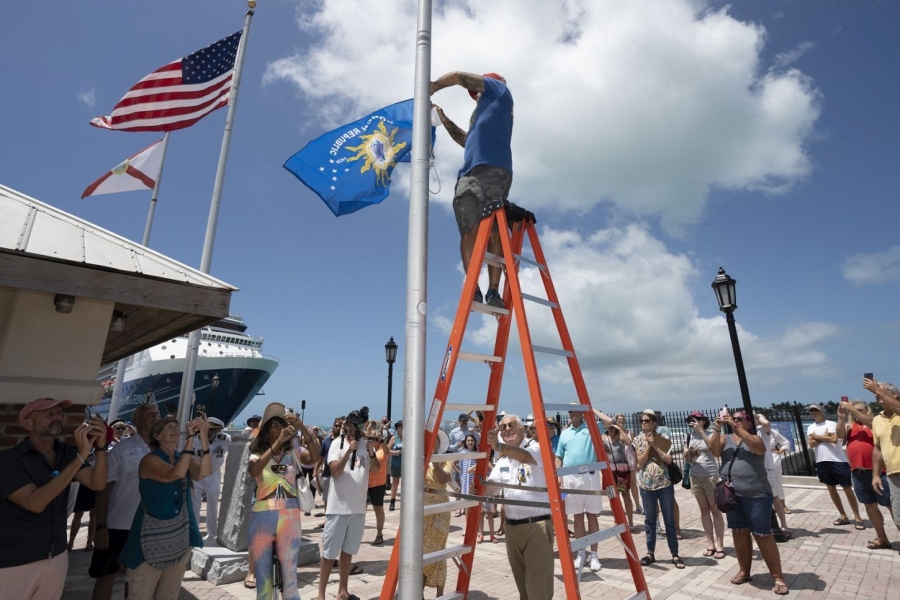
point(251, 4)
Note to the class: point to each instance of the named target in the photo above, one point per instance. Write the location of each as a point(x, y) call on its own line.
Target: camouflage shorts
point(481, 185)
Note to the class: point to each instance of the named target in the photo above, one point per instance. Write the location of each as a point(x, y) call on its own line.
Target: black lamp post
point(724, 287)
point(214, 384)
point(390, 355)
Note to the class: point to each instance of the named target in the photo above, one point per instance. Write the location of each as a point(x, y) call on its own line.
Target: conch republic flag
point(138, 172)
point(350, 168)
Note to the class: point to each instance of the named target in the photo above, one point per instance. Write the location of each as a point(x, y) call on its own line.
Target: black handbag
point(675, 475)
point(726, 499)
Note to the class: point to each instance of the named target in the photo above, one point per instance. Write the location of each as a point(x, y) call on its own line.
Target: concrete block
point(237, 493)
point(221, 566)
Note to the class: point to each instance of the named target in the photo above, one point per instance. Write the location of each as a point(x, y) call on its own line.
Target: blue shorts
point(865, 493)
point(752, 513)
point(834, 473)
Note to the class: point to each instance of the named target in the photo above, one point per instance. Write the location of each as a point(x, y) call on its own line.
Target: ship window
point(173, 341)
point(163, 347)
point(173, 356)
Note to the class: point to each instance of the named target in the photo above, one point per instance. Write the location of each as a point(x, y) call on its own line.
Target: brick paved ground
point(830, 562)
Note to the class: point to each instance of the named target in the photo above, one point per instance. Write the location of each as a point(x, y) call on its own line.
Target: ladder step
point(471, 407)
point(576, 407)
point(452, 596)
point(433, 509)
point(475, 357)
point(487, 309)
point(580, 469)
point(558, 351)
point(455, 456)
point(540, 300)
point(445, 554)
point(494, 259)
point(525, 259)
point(598, 536)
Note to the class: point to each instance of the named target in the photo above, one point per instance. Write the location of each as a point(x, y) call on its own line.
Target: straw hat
point(443, 442)
point(275, 409)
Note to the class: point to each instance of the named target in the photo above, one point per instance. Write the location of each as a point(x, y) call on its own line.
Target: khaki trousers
point(149, 583)
point(41, 580)
point(529, 548)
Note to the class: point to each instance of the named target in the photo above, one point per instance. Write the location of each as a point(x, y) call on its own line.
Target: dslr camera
point(357, 418)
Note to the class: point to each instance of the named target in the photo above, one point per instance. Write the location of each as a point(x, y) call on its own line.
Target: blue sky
point(655, 141)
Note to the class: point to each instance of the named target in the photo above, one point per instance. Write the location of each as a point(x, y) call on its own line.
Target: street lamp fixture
point(726, 294)
point(390, 355)
point(214, 385)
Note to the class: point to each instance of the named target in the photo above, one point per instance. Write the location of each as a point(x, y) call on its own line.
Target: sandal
point(879, 545)
point(841, 521)
point(787, 511)
point(676, 560)
point(719, 555)
point(479, 538)
point(493, 539)
point(648, 560)
point(355, 570)
point(740, 579)
point(709, 552)
point(781, 587)
point(250, 581)
point(89, 547)
point(379, 540)
point(859, 526)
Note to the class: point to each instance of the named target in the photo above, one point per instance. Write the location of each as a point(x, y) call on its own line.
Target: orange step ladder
point(512, 240)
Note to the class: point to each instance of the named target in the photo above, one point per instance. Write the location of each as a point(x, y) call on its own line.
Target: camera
point(357, 418)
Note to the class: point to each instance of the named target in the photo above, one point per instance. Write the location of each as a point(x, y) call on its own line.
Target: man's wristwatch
point(191, 452)
point(100, 449)
point(201, 453)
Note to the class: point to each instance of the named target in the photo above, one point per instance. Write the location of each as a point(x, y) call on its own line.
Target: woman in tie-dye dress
point(275, 459)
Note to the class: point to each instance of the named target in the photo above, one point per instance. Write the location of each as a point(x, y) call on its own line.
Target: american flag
point(179, 94)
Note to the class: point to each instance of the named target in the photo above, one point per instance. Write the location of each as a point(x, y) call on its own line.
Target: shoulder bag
point(304, 494)
point(724, 495)
point(164, 541)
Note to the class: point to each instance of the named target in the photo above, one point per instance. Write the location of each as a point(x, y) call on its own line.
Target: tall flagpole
point(187, 380)
point(120, 364)
point(411, 509)
point(152, 210)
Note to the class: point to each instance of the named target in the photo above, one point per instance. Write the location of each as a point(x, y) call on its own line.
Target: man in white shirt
point(116, 505)
point(345, 515)
point(529, 530)
point(832, 466)
point(211, 485)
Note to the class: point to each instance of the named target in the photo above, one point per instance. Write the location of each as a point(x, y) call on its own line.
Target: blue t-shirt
point(575, 446)
point(323, 451)
point(490, 129)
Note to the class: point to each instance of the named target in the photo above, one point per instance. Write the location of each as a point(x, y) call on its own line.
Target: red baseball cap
point(41, 404)
point(492, 76)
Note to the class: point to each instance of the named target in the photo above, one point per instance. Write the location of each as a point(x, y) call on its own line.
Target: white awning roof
point(31, 226)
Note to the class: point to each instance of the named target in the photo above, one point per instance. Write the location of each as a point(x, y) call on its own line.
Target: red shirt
point(859, 447)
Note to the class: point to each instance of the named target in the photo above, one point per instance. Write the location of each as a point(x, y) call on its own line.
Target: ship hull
point(240, 380)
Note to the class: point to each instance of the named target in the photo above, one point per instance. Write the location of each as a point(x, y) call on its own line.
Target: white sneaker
point(579, 561)
point(595, 564)
point(659, 529)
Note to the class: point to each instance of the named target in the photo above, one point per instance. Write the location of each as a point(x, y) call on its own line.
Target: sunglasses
point(119, 428)
point(280, 469)
point(647, 421)
point(738, 419)
point(812, 410)
point(504, 426)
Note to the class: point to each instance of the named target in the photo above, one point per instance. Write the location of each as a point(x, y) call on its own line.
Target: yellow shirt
point(887, 437)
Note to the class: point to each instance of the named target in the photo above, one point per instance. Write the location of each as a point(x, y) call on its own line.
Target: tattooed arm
point(458, 135)
point(470, 81)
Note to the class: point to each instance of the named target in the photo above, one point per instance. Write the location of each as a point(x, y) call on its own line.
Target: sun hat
point(696, 415)
point(813, 407)
point(275, 409)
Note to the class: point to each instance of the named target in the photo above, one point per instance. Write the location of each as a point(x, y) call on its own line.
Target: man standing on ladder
point(486, 174)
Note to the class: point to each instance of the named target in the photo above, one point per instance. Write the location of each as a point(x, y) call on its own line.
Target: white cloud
point(88, 98)
point(630, 309)
point(878, 267)
point(784, 59)
point(648, 105)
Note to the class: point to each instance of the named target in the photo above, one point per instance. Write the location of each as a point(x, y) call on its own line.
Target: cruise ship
point(231, 371)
